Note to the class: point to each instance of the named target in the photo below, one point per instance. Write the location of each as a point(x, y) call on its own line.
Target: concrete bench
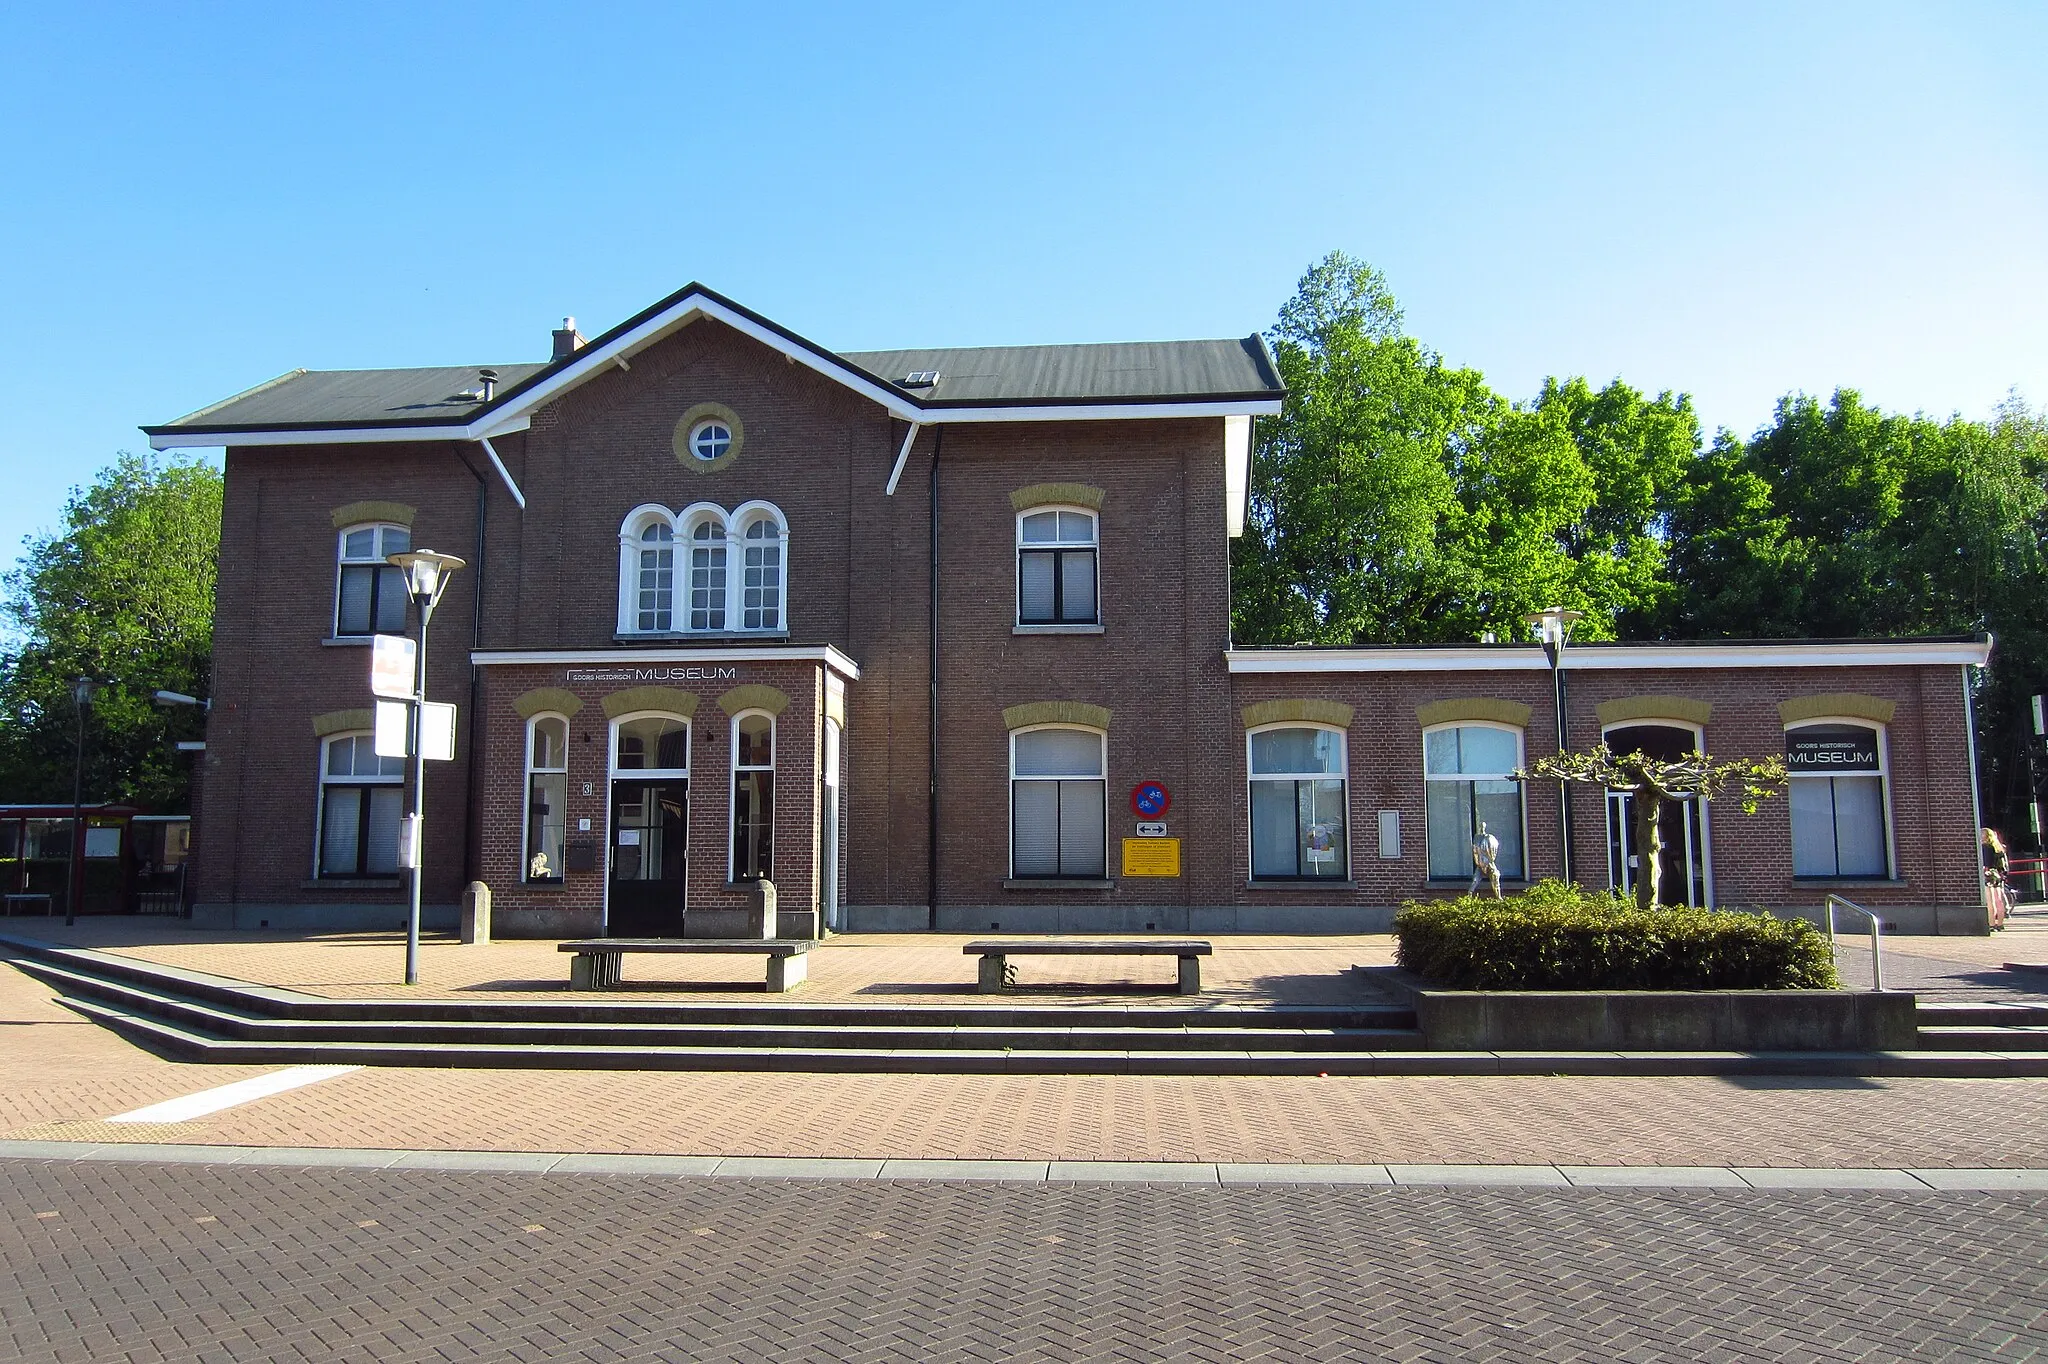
point(995, 956)
point(598, 960)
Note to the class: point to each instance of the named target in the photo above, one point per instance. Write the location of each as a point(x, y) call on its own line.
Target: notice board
point(1151, 857)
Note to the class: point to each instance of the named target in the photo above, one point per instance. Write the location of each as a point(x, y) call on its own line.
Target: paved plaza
point(181, 1254)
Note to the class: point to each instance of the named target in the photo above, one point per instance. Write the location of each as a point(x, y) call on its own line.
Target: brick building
point(937, 639)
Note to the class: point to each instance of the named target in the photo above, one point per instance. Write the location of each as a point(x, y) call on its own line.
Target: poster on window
point(1321, 842)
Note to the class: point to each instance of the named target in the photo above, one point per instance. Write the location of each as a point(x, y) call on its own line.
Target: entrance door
point(650, 857)
point(1682, 880)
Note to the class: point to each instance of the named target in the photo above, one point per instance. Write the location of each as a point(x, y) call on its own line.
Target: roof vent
point(489, 378)
point(567, 340)
point(921, 378)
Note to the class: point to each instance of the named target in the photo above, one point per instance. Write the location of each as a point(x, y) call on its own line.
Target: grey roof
point(1124, 369)
point(354, 397)
point(1129, 372)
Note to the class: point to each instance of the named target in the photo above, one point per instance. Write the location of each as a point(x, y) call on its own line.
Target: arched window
point(1298, 803)
point(707, 574)
point(547, 796)
point(1841, 813)
point(369, 594)
point(1056, 549)
point(734, 572)
point(753, 795)
point(1682, 824)
point(762, 539)
point(362, 799)
point(1467, 774)
point(1059, 808)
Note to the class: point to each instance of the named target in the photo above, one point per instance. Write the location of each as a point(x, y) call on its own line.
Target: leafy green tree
point(122, 594)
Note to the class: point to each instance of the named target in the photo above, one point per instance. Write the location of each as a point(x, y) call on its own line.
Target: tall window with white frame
point(707, 575)
point(369, 594)
point(761, 544)
point(1839, 802)
point(655, 582)
point(1468, 778)
point(547, 796)
point(1298, 803)
point(1056, 563)
point(753, 795)
point(1059, 796)
point(362, 797)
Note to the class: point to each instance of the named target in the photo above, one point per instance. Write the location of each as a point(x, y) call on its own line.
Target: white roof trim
point(1084, 412)
point(744, 653)
point(206, 440)
point(1594, 657)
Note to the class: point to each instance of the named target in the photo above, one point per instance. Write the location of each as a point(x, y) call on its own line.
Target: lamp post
point(82, 691)
point(426, 577)
point(1554, 630)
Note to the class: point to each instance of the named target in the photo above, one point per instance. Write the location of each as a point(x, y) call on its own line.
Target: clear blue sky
point(1734, 201)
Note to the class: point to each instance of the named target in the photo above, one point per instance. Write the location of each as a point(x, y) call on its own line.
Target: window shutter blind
point(338, 822)
point(354, 616)
point(1077, 587)
point(1035, 841)
point(386, 805)
point(1081, 829)
point(1034, 586)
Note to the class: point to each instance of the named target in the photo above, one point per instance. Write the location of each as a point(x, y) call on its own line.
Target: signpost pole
point(419, 802)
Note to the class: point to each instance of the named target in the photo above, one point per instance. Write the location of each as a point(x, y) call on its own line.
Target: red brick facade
point(545, 582)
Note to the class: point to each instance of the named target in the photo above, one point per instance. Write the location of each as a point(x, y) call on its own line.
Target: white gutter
point(640, 657)
point(902, 458)
point(1598, 657)
point(503, 472)
point(206, 440)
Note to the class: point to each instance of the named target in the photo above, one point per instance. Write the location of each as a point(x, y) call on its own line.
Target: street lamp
point(426, 577)
point(82, 692)
point(1553, 631)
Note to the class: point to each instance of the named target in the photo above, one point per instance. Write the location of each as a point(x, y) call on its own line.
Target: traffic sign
point(1150, 799)
point(394, 665)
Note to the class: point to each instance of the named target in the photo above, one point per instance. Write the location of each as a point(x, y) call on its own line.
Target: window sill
point(1304, 883)
point(551, 883)
point(1056, 629)
point(704, 637)
point(353, 883)
point(1873, 882)
point(1056, 883)
point(347, 641)
point(1460, 883)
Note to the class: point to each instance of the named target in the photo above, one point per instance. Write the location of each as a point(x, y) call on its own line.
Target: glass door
point(1682, 878)
point(649, 858)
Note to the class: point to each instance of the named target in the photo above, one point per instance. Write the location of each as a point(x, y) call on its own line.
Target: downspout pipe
point(472, 759)
point(932, 738)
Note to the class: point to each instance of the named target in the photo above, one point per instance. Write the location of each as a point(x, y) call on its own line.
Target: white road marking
point(228, 1096)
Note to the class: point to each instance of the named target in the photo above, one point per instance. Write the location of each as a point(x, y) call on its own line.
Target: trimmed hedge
point(1561, 937)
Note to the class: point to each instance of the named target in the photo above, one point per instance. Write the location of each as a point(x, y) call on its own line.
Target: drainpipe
point(932, 740)
point(1976, 801)
point(476, 678)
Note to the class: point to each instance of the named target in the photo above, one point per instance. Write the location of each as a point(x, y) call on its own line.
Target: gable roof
point(991, 383)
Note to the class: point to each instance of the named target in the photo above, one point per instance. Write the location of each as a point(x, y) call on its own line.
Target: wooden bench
point(995, 954)
point(598, 960)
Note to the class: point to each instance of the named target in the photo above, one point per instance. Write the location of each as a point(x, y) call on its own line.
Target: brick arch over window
point(1056, 713)
point(1057, 495)
point(342, 721)
point(1457, 709)
point(670, 700)
point(1623, 709)
point(754, 696)
point(1834, 704)
point(558, 700)
point(355, 513)
point(1303, 709)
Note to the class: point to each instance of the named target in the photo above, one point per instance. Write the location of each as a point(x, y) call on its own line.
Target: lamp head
point(426, 574)
point(1554, 625)
point(83, 690)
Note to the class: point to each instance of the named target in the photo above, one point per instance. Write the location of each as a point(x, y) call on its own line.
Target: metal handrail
point(1876, 937)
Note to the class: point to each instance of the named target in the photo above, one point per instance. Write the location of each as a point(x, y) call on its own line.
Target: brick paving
point(157, 1263)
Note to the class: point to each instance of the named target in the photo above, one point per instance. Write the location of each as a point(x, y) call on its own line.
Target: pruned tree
point(1651, 782)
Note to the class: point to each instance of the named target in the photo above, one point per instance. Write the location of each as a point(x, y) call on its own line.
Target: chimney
point(567, 339)
point(489, 379)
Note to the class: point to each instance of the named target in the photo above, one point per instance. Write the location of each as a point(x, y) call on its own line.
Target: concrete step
point(273, 1002)
point(1982, 1014)
point(186, 1043)
point(2029, 1038)
point(231, 1024)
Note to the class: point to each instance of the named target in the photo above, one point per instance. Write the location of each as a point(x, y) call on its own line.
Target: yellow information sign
point(1151, 857)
